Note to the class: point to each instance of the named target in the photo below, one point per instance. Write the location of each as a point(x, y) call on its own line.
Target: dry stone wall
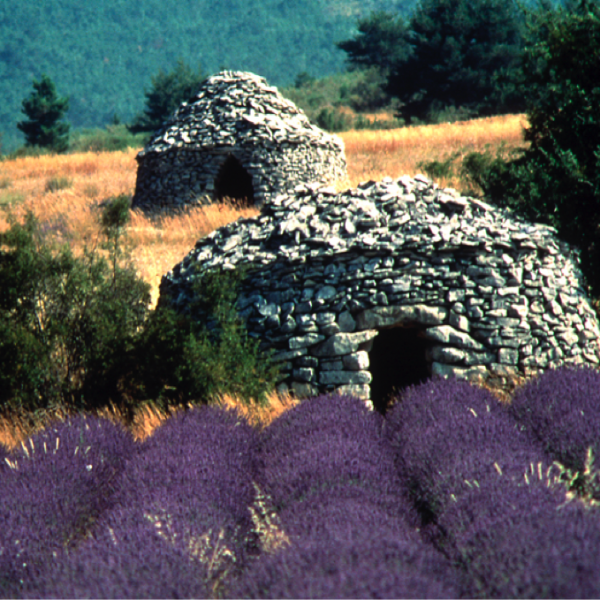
point(234, 115)
point(488, 294)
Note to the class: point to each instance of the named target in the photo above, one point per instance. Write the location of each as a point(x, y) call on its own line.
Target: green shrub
point(55, 184)
point(5, 182)
point(204, 353)
point(110, 139)
point(9, 199)
point(334, 120)
point(440, 168)
point(66, 323)
point(556, 180)
point(77, 333)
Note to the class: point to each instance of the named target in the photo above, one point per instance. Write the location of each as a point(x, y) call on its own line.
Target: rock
point(343, 343)
point(493, 295)
point(236, 128)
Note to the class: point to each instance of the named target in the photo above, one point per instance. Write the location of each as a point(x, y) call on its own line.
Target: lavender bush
point(467, 464)
point(445, 432)
point(561, 408)
point(190, 483)
point(381, 566)
point(325, 443)
point(131, 555)
point(205, 453)
point(350, 529)
point(339, 514)
point(57, 484)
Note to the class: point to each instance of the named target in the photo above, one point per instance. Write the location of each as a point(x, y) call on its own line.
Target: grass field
point(64, 192)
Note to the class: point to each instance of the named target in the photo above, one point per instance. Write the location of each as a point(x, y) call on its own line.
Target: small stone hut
point(381, 286)
point(237, 138)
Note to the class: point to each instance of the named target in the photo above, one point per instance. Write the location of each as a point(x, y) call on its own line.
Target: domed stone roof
point(235, 107)
point(237, 138)
point(459, 286)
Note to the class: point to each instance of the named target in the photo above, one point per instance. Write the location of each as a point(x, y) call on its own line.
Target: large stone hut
point(381, 286)
point(237, 138)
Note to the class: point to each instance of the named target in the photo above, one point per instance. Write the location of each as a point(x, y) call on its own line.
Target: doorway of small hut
point(233, 182)
point(397, 359)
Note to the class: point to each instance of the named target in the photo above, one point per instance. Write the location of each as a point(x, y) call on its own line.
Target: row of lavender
point(450, 495)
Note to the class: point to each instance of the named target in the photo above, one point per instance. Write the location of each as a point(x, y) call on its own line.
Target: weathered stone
point(447, 354)
point(346, 322)
point(508, 356)
point(358, 361)
point(345, 377)
point(303, 341)
point(304, 374)
point(387, 316)
point(343, 343)
point(357, 391)
point(472, 373)
point(327, 292)
point(449, 335)
point(459, 322)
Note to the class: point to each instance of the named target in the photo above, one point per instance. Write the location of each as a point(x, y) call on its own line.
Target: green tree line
point(102, 54)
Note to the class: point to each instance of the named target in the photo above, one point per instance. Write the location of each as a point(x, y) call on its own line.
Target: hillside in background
point(102, 54)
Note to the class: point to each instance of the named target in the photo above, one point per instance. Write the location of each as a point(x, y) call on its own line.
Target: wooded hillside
point(103, 54)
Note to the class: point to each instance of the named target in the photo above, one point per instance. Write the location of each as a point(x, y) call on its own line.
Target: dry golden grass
point(396, 152)
point(158, 244)
point(71, 213)
point(148, 417)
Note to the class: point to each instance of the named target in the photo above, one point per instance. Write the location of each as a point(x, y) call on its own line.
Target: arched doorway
point(397, 360)
point(234, 182)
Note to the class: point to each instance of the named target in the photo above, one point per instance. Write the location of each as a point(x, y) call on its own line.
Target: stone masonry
point(239, 138)
point(486, 294)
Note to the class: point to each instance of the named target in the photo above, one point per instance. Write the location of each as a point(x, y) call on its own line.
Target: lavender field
point(450, 495)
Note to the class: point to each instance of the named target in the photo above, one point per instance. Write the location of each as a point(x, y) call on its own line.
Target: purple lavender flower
point(325, 442)
point(536, 553)
point(137, 553)
point(204, 456)
point(344, 513)
point(385, 567)
point(58, 483)
point(486, 491)
point(446, 431)
point(561, 408)
point(317, 417)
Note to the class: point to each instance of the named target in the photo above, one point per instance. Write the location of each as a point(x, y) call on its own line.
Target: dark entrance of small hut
point(233, 182)
point(397, 359)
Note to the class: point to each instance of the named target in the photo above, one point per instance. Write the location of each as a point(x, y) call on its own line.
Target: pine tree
point(45, 109)
point(464, 58)
point(168, 91)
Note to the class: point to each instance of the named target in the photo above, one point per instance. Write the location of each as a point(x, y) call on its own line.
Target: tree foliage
point(463, 59)
point(203, 353)
point(381, 41)
point(76, 332)
point(556, 179)
point(45, 110)
point(167, 92)
point(65, 322)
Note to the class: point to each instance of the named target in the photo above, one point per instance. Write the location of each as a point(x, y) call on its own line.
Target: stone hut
point(381, 286)
point(236, 138)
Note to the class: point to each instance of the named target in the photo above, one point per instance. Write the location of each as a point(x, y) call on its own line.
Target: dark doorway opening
point(233, 182)
point(397, 360)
